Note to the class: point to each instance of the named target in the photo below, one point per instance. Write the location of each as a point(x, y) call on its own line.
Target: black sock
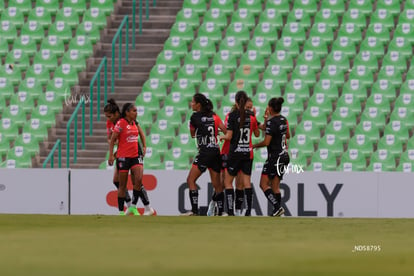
point(116, 183)
point(144, 196)
point(135, 196)
point(278, 199)
point(214, 196)
point(249, 200)
point(220, 203)
point(194, 201)
point(230, 201)
point(271, 197)
point(127, 197)
point(121, 201)
point(239, 199)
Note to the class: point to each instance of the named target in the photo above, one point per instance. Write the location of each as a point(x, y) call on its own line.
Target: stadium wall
point(321, 194)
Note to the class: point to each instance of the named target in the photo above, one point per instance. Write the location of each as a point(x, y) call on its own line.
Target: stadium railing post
point(118, 36)
point(75, 140)
point(50, 157)
point(97, 77)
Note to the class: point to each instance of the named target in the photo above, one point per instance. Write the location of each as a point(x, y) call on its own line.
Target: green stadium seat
point(8, 31)
point(13, 15)
point(176, 45)
point(345, 45)
point(162, 73)
point(323, 31)
point(8, 128)
point(16, 114)
point(49, 6)
point(395, 59)
point(105, 6)
point(238, 85)
point(297, 158)
point(364, 6)
point(176, 159)
point(391, 74)
point(287, 44)
point(219, 74)
point(293, 117)
point(225, 6)
point(352, 160)
point(323, 160)
point(273, 17)
point(400, 45)
point(332, 144)
point(315, 115)
point(79, 6)
point(31, 86)
point(212, 89)
point(299, 16)
point(309, 59)
point(204, 47)
point(277, 74)
point(298, 88)
point(62, 30)
point(369, 129)
point(378, 101)
point(90, 30)
point(27, 143)
point(282, 59)
point(59, 86)
point(18, 157)
point(336, 6)
point(164, 129)
point(362, 74)
point(169, 58)
point(381, 160)
point(173, 105)
point(362, 143)
point(152, 93)
point(392, 6)
point(45, 114)
point(407, 86)
point(239, 31)
point(233, 45)
point(191, 73)
point(183, 31)
point(37, 129)
point(403, 114)
point(67, 72)
point(339, 60)
point(152, 160)
point(69, 16)
point(328, 17)
point(309, 7)
point(396, 128)
point(33, 30)
point(375, 115)
point(267, 87)
point(198, 6)
point(404, 100)
point(75, 59)
point(367, 59)
point(407, 15)
point(247, 74)
point(384, 17)
point(345, 115)
point(405, 30)
point(253, 6)
point(334, 74)
point(52, 100)
point(54, 44)
point(24, 101)
point(189, 17)
point(171, 114)
point(8, 79)
point(253, 60)
point(185, 87)
point(350, 102)
point(351, 31)
point(82, 44)
point(305, 73)
point(327, 87)
point(356, 88)
point(216, 16)
point(144, 115)
point(259, 45)
point(355, 16)
point(25, 44)
point(301, 144)
point(281, 6)
point(308, 128)
point(373, 45)
point(39, 72)
point(211, 30)
point(385, 88)
point(321, 101)
point(316, 45)
point(295, 32)
point(266, 32)
point(339, 130)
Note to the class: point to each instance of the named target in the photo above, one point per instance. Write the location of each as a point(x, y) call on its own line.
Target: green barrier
point(97, 78)
point(75, 141)
point(50, 157)
point(118, 36)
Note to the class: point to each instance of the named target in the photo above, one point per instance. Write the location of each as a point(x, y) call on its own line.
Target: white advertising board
point(34, 191)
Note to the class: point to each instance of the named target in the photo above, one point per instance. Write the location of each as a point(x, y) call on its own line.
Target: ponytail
point(276, 104)
point(111, 107)
point(241, 99)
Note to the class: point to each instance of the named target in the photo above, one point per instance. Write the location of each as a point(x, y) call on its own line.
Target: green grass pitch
point(111, 245)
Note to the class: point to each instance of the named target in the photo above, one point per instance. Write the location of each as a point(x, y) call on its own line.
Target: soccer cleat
point(279, 212)
point(149, 212)
point(133, 210)
point(248, 213)
point(188, 214)
point(211, 208)
point(237, 213)
point(224, 214)
point(121, 213)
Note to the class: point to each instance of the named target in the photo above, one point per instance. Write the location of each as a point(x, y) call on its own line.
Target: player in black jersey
point(277, 131)
point(204, 125)
point(240, 126)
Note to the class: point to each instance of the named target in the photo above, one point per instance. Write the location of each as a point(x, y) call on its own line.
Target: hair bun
point(280, 100)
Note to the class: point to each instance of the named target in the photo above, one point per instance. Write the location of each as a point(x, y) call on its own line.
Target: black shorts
point(224, 161)
point(234, 166)
point(208, 161)
point(276, 165)
point(124, 164)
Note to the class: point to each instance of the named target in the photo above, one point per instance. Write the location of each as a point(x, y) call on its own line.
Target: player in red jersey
point(204, 126)
point(277, 133)
point(126, 131)
point(241, 125)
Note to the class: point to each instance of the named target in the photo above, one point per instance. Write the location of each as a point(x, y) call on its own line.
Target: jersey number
point(244, 136)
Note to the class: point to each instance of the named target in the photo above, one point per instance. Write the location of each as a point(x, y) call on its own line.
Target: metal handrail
point(50, 157)
point(118, 36)
point(97, 77)
point(75, 141)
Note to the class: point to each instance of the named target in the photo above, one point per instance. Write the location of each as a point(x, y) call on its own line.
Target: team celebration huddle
point(232, 163)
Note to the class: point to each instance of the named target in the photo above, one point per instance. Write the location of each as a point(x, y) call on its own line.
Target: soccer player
point(126, 131)
point(204, 125)
point(277, 132)
point(240, 127)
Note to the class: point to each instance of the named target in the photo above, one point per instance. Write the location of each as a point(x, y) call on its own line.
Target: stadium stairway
point(141, 59)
